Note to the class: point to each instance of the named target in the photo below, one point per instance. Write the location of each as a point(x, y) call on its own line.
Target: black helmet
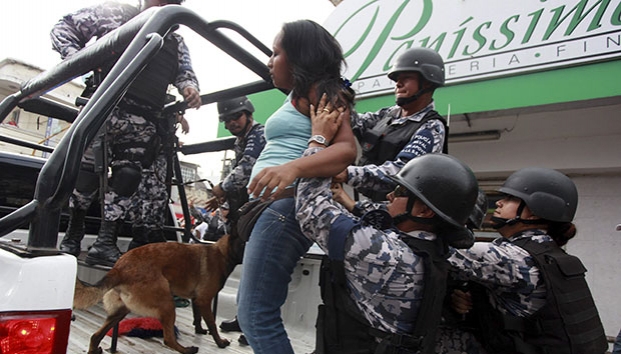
point(234, 105)
point(444, 184)
point(475, 220)
point(423, 60)
point(548, 193)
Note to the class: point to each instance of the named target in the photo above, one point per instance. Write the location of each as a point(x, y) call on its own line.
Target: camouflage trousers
point(121, 129)
point(148, 205)
point(451, 340)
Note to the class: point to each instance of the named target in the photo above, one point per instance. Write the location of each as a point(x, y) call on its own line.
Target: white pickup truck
point(36, 280)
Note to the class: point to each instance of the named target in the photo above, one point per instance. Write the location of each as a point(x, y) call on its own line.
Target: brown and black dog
point(144, 280)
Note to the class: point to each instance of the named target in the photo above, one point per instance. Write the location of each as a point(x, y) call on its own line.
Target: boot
point(139, 237)
point(230, 325)
point(105, 251)
point(157, 235)
point(71, 243)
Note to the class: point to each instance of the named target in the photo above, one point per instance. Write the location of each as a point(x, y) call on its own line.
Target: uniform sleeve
point(496, 266)
point(185, 73)
point(316, 211)
point(75, 30)
point(240, 176)
point(429, 138)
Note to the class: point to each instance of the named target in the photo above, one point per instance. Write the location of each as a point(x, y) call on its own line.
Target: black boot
point(105, 251)
point(139, 237)
point(156, 235)
point(230, 325)
point(74, 233)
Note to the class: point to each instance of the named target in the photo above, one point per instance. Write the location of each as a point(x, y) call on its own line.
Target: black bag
point(248, 215)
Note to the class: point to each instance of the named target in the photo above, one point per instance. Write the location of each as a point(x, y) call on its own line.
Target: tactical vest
point(343, 329)
point(567, 324)
point(151, 85)
point(385, 141)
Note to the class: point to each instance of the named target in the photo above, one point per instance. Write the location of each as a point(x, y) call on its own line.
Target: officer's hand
point(185, 126)
point(192, 97)
point(461, 301)
point(218, 191)
point(212, 204)
point(339, 195)
point(341, 177)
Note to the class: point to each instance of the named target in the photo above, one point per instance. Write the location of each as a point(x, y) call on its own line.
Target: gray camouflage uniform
point(70, 35)
point(247, 150)
point(384, 275)
point(511, 277)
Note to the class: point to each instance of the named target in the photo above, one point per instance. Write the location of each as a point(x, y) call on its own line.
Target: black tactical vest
point(151, 85)
point(567, 324)
point(343, 329)
point(385, 141)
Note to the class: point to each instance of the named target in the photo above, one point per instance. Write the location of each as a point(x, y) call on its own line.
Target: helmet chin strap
point(402, 101)
point(407, 215)
point(501, 222)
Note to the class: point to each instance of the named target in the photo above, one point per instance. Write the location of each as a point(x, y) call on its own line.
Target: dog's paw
point(191, 350)
point(96, 351)
point(223, 343)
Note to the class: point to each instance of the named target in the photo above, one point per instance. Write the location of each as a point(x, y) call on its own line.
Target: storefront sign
point(478, 39)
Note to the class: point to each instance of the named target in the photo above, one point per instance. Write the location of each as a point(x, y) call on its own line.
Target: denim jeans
point(272, 252)
point(616, 348)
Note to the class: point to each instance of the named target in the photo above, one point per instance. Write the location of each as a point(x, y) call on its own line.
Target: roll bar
point(138, 41)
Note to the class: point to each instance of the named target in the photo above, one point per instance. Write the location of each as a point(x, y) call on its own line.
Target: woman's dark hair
point(561, 232)
point(315, 57)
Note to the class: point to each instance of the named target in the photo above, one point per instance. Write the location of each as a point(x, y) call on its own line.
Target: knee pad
point(88, 181)
point(125, 179)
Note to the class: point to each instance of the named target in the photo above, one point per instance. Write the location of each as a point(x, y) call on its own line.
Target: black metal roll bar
point(138, 40)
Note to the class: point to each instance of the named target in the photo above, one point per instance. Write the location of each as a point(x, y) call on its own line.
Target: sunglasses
point(401, 192)
point(230, 117)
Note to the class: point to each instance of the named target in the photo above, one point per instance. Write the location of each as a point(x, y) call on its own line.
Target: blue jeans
point(275, 246)
point(616, 349)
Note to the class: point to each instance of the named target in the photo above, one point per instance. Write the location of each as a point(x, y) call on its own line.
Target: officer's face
point(508, 206)
point(407, 84)
point(398, 201)
point(236, 123)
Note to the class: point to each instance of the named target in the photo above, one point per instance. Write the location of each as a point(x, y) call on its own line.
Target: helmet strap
point(501, 222)
point(402, 101)
point(407, 215)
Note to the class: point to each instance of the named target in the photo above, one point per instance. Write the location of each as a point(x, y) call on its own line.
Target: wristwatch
point(319, 139)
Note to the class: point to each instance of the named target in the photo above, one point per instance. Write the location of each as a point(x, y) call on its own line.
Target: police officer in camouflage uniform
point(394, 135)
point(387, 269)
point(130, 137)
point(536, 299)
point(236, 114)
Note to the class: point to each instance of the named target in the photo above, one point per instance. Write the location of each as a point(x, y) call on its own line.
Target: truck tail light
point(30, 332)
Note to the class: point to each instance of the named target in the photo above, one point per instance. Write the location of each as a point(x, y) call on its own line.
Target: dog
point(144, 280)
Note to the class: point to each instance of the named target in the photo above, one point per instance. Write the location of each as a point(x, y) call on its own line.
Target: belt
point(287, 193)
point(146, 113)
